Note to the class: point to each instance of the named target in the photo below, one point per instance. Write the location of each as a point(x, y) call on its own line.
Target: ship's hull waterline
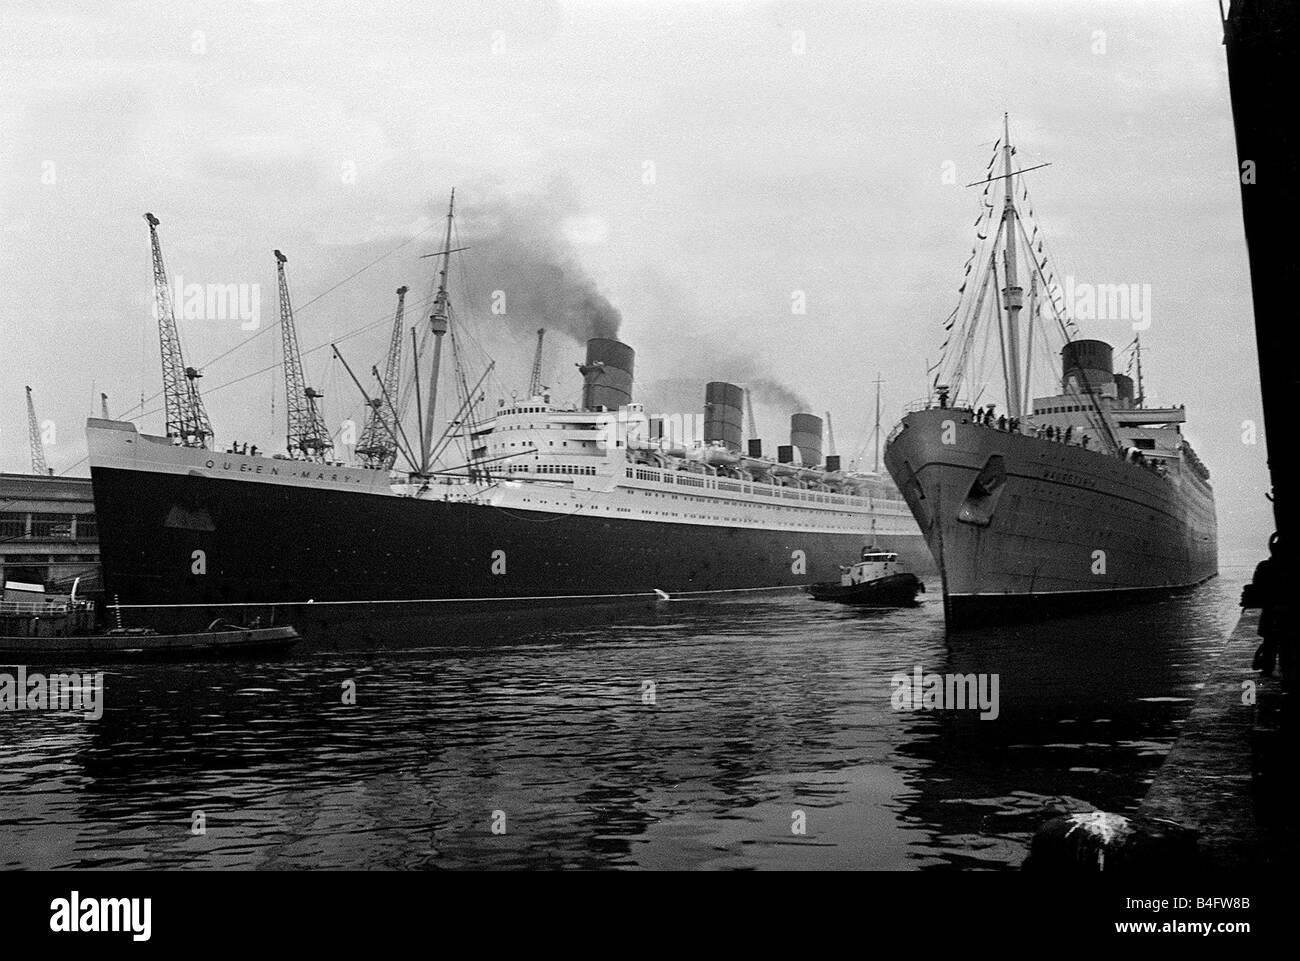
point(181, 548)
point(1024, 527)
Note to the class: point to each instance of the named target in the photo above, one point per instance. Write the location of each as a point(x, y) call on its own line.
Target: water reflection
point(764, 711)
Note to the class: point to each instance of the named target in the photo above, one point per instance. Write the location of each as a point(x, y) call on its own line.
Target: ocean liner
point(1083, 497)
point(556, 503)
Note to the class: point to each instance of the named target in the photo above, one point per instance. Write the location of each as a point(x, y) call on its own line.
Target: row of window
point(18, 525)
point(1069, 409)
point(551, 469)
point(790, 493)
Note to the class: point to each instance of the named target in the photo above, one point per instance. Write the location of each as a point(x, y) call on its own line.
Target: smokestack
point(785, 454)
point(723, 417)
point(755, 447)
point(1124, 391)
point(832, 463)
point(607, 374)
point(1088, 363)
point(806, 434)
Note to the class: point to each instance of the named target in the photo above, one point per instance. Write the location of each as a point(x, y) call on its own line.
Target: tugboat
point(874, 581)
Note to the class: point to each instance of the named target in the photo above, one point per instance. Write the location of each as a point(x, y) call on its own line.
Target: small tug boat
point(56, 628)
point(874, 581)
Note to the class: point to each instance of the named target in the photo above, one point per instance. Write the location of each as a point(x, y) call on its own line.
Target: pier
point(1223, 779)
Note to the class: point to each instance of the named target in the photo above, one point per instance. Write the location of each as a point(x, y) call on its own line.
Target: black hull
point(984, 610)
point(347, 568)
point(896, 590)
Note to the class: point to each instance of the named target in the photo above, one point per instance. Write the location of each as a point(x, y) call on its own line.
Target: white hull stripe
point(456, 600)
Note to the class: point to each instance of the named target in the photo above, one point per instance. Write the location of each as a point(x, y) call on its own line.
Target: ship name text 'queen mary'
point(532, 504)
point(1085, 495)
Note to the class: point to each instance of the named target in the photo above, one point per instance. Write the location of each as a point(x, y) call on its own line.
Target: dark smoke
point(519, 247)
point(768, 391)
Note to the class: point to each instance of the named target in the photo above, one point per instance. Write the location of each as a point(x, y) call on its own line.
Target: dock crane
point(749, 414)
point(187, 420)
point(307, 433)
point(378, 446)
point(535, 386)
point(34, 435)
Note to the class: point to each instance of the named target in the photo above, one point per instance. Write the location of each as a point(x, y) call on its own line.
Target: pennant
point(961, 289)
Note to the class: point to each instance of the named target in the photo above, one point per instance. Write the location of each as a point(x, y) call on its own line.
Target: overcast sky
point(701, 162)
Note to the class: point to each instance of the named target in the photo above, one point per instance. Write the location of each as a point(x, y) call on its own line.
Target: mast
point(1137, 354)
point(439, 320)
point(877, 431)
point(1012, 293)
point(1029, 346)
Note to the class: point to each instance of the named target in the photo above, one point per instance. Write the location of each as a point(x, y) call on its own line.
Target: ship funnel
point(723, 414)
point(1088, 363)
point(1124, 392)
point(607, 374)
point(806, 435)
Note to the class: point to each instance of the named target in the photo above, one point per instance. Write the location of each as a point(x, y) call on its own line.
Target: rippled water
point(763, 709)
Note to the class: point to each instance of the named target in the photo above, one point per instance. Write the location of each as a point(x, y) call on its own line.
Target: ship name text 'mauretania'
point(1084, 496)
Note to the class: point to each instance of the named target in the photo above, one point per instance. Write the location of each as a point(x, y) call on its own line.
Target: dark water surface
point(763, 709)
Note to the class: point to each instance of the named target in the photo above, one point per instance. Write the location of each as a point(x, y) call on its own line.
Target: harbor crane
point(749, 414)
point(307, 433)
point(187, 420)
point(535, 386)
point(378, 446)
point(34, 435)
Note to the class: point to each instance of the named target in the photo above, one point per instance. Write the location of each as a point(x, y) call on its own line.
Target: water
point(765, 711)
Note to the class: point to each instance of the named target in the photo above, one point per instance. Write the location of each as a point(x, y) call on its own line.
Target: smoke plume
point(524, 261)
